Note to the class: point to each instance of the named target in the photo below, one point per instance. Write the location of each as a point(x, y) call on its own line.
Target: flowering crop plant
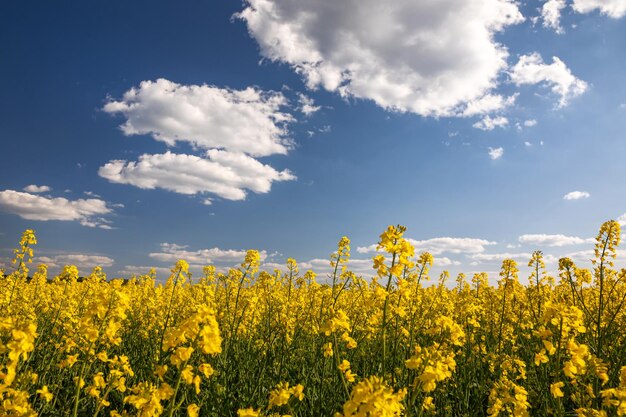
point(249, 343)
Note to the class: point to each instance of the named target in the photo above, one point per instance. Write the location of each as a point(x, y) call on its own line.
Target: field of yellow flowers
point(250, 343)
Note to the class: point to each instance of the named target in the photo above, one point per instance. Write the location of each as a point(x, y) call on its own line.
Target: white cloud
point(496, 153)
point(491, 257)
point(588, 255)
point(553, 240)
point(234, 125)
point(528, 144)
point(489, 103)
point(530, 69)
point(37, 188)
point(83, 261)
point(611, 8)
point(530, 123)
point(136, 270)
point(489, 123)
point(445, 261)
point(622, 220)
point(171, 252)
point(439, 245)
point(249, 120)
point(307, 105)
point(223, 173)
point(36, 207)
point(551, 14)
point(363, 267)
point(576, 195)
point(552, 10)
point(404, 55)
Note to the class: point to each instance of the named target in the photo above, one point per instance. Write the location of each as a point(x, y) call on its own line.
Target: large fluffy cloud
point(430, 58)
point(228, 127)
point(36, 207)
point(530, 69)
point(249, 120)
point(225, 174)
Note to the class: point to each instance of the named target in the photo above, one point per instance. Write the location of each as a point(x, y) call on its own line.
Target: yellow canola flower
point(45, 394)
point(298, 391)
point(206, 370)
point(372, 397)
point(327, 349)
point(247, 412)
point(555, 389)
point(181, 355)
point(280, 395)
point(192, 410)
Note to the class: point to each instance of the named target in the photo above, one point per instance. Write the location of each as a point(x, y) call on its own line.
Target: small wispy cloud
point(37, 188)
point(576, 195)
point(530, 123)
point(490, 123)
point(496, 153)
point(553, 240)
point(307, 105)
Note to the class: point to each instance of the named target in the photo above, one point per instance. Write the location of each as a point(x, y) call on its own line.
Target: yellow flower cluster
point(225, 343)
point(372, 397)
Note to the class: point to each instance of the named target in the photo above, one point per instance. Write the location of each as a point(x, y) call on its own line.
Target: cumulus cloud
point(439, 245)
point(37, 188)
point(530, 69)
point(551, 14)
point(611, 8)
point(490, 123)
point(553, 240)
point(404, 55)
point(35, 207)
point(208, 117)
point(622, 220)
point(496, 153)
point(171, 252)
point(84, 262)
point(223, 173)
point(231, 127)
point(576, 195)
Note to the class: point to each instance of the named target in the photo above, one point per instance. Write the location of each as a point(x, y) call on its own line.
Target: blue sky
point(134, 133)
